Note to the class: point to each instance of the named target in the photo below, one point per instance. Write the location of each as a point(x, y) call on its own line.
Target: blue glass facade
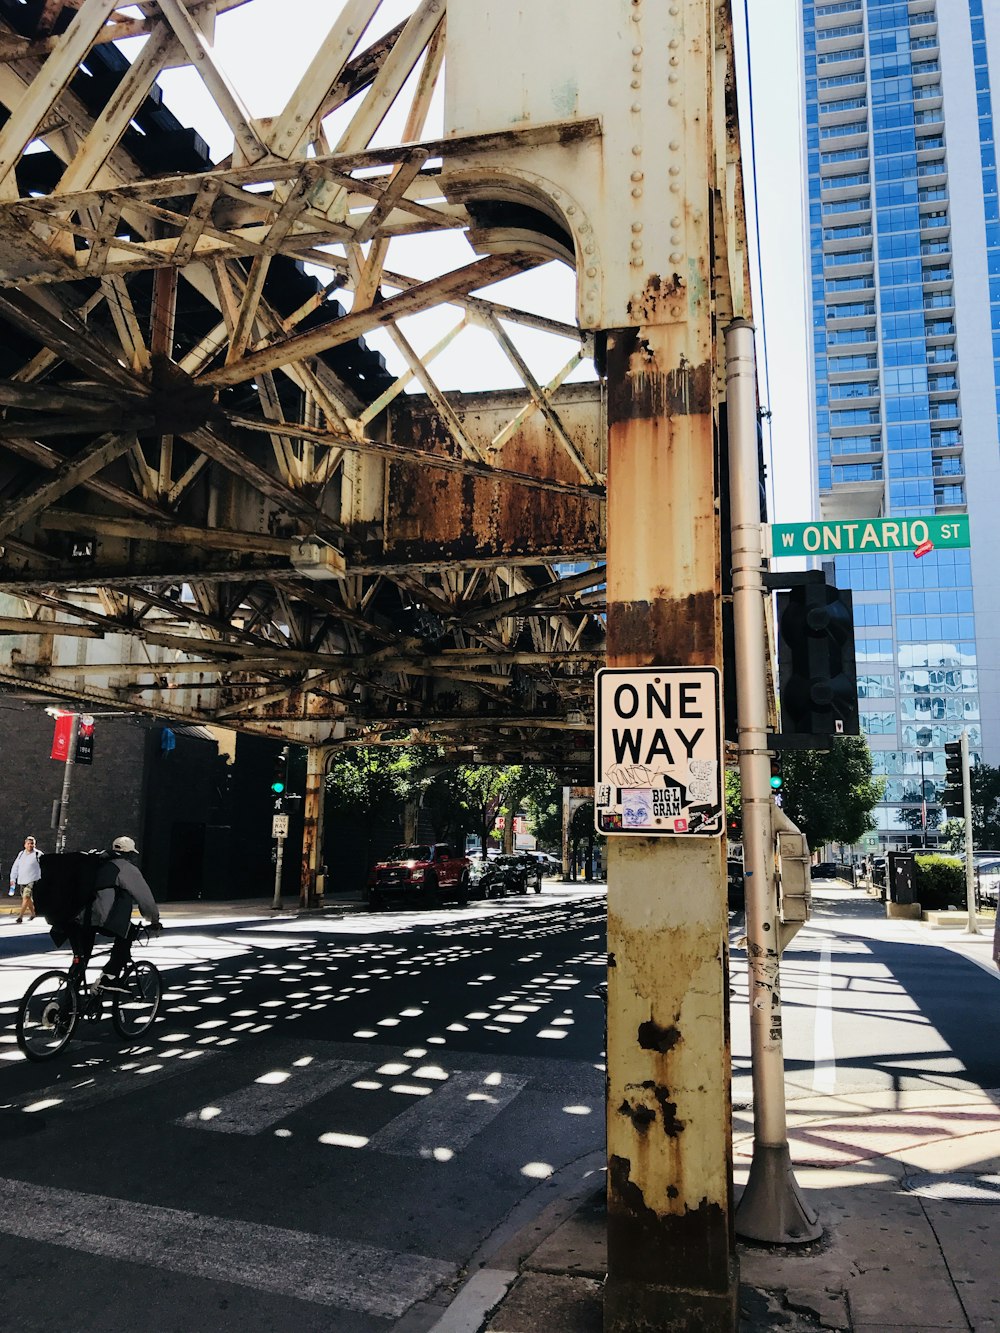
point(888, 425)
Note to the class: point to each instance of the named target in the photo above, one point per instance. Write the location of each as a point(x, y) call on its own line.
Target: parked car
point(419, 873)
point(988, 882)
point(503, 875)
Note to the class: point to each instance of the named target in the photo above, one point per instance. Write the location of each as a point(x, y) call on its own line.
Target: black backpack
point(69, 882)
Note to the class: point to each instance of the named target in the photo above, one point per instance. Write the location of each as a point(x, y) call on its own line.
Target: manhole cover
point(955, 1187)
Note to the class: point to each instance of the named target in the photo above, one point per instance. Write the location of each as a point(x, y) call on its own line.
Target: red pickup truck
point(419, 872)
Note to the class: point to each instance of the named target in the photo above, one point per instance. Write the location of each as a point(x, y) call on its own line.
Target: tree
point(830, 794)
point(734, 805)
point(984, 790)
point(984, 783)
point(370, 783)
point(482, 792)
point(545, 815)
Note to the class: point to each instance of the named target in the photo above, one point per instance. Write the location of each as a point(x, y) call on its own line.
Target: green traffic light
point(776, 781)
point(277, 787)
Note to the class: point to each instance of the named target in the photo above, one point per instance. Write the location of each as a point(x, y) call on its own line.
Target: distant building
point(904, 241)
point(201, 818)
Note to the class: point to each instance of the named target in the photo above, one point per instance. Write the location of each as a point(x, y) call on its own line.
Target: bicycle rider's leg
point(121, 952)
point(81, 941)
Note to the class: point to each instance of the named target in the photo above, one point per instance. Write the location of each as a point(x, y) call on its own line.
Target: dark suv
point(506, 874)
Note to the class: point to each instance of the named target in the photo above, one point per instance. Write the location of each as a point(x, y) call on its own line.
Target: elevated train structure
point(219, 505)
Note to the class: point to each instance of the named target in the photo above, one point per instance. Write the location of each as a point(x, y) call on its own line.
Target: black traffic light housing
point(777, 777)
point(953, 796)
point(817, 674)
point(279, 778)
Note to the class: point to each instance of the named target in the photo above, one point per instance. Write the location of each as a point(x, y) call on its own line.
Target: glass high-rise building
point(902, 103)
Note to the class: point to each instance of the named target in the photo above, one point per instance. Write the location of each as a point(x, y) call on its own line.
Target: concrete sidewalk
point(906, 1185)
point(907, 1188)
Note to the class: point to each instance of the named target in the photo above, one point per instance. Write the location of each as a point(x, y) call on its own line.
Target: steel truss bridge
point(219, 505)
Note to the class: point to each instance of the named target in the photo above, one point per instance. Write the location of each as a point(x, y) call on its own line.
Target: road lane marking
point(117, 1081)
point(446, 1122)
point(824, 1054)
point(273, 1096)
point(296, 1264)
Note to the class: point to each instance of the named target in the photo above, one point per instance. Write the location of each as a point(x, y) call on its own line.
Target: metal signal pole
point(970, 871)
point(771, 1209)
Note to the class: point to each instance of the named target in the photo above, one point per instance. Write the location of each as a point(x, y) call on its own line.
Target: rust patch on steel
point(639, 390)
point(655, 296)
point(673, 1126)
point(652, 1037)
point(642, 1239)
point(643, 1115)
point(669, 629)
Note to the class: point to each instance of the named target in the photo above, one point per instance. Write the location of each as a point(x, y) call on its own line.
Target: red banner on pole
point(61, 737)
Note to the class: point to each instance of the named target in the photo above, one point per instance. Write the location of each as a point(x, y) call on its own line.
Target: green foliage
point(364, 778)
point(984, 783)
point(480, 792)
point(545, 811)
point(984, 789)
point(940, 883)
point(734, 804)
point(830, 794)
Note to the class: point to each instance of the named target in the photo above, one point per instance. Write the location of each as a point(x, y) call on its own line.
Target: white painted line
point(293, 1264)
point(273, 1096)
point(824, 1054)
point(446, 1122)
point(474, 1302)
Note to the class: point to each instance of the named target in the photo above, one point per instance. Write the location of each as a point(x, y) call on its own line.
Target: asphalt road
point(330, 1119)
point(334, 1115)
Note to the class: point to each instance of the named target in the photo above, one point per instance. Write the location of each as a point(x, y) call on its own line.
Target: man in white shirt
point(24, 875)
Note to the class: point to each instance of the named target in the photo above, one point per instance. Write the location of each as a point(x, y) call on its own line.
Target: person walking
point(24, 875)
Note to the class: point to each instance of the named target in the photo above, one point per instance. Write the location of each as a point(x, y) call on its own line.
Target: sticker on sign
point(657, 752)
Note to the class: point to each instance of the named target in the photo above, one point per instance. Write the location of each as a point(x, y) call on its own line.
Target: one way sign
point(657, 752)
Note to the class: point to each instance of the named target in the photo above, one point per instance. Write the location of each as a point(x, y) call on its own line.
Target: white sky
point(261, 49)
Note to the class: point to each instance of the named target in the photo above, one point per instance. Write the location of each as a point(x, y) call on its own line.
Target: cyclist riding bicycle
point(120, 885)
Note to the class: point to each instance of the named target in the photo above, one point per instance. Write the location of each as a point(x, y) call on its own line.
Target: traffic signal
point(953, 796)
point(280, 779)
point(777, 779)
point(817, 677)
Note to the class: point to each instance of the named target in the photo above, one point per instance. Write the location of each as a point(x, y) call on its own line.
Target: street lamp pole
point(923, 800)
point(67, 779)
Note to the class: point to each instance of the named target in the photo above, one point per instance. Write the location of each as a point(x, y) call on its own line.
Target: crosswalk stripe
point(444, 1123)
point(272, 1097)
point(115, 1081)
point(298, 1264)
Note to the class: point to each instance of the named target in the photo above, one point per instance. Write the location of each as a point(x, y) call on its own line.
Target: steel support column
point(310, 892)
point(671, 1248)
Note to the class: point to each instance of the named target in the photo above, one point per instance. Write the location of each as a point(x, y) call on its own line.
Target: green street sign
point(871, 536)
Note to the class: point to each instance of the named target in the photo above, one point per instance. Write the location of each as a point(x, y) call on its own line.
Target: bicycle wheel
point(133, 1012)
point(47, 1016)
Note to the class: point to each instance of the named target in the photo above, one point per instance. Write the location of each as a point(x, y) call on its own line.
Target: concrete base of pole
point(903, 911)
point(631, 1306)
point(772, 1209)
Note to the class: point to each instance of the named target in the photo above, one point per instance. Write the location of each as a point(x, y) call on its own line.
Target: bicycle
point(53, 1005)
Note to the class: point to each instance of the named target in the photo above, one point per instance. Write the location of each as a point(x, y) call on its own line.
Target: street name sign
point(871, 536)
point(657, 752)
point(279, 826)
